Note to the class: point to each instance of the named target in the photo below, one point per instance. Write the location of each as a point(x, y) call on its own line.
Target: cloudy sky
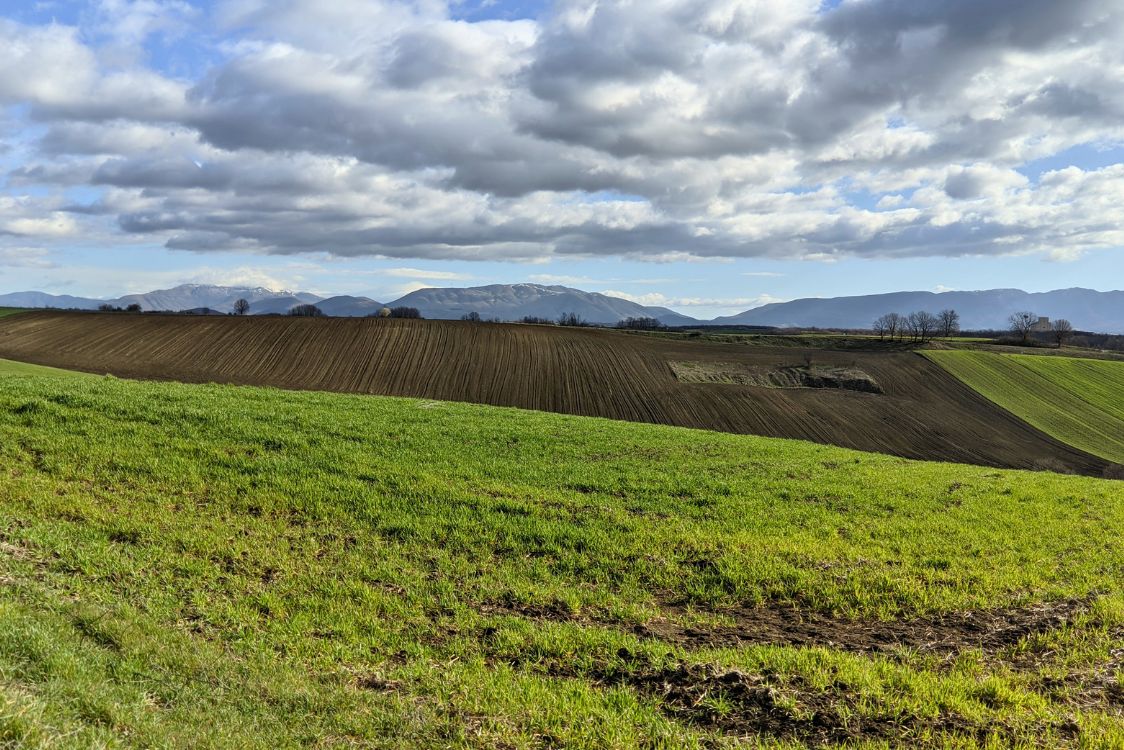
point(705, 154)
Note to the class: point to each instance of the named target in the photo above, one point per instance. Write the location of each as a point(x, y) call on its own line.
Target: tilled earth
point(922, 412)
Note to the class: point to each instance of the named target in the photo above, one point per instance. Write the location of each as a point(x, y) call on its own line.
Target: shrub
point(405, 312)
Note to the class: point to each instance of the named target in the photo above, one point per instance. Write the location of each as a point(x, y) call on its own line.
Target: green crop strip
point(1078, 401)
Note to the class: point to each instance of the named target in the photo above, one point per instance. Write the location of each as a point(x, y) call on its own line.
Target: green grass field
point(1077, 400)
point(8, 367)
point(213, 566)
point(4, 311)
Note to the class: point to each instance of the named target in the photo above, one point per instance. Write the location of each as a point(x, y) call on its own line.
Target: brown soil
point(946, 634)
point(737, 703)
point(923, 411)
point(752, 705)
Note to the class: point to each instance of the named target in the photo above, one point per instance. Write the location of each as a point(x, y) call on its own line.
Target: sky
point(705, 155)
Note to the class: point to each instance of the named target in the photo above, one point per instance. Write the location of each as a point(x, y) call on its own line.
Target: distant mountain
point(1087, 309)
point(279, 305)
point(221, 298)
point(516, 301)
point(42, 299)
point(183, 297)
point(349, 307)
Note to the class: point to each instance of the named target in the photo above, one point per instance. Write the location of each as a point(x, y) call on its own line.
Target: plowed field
point(924, 412)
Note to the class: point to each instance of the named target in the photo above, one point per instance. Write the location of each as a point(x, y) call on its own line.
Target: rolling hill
point(204, 566)
point(916, 409)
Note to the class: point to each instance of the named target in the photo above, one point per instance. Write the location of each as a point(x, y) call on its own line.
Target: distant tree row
point(572, 319)
point(133, 308)
point(641, 324)
point(917, 326)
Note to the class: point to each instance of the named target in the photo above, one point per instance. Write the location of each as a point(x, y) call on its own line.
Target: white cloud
point(657, 299)
point(677, 130)
point(418, 273)
point(26, 257)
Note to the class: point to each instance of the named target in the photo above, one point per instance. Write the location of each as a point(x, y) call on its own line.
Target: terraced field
point(201, 566)
point(1080, 401)
point(922, 411)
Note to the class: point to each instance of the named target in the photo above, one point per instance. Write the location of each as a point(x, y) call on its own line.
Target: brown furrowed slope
point(923, 412)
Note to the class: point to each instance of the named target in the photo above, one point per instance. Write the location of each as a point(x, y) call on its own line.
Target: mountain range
point(980, 310)
point(1087, 309)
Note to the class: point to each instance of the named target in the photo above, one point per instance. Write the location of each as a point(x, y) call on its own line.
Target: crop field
point(217, 566)
point(1078, 400)
point(5, 311)
point(921, 411)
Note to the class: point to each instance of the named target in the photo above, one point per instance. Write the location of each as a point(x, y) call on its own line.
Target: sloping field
point(1080, 401)
point(8, 367)
point(192, 566)
point(923, 411)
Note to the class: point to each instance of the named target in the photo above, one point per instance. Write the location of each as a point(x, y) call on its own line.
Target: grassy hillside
point(214, 566)
point(8, 367)
point(5, 311)
point(1080, 401)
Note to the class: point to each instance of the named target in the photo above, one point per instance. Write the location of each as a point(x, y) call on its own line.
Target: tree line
point(922, 326)
point(917, 326)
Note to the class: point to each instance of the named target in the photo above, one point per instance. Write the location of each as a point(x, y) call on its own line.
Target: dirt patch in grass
point(945, 634)
point(734, 702)
point(747, 705)
point(794, 376)
point(950, 633)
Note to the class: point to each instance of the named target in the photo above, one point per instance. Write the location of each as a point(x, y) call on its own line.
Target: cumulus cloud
point(662, 130)
point(25, 257)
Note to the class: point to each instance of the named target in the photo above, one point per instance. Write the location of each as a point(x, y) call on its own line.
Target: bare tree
point(882, 326)
point(922, 325)
point(1062, 330)
point(473, 317)
point(928, 324)
point(571, 319)
point(896, 325)
point(949, 323)
point(911, 325)
point(1022, 324)
point(134, 308)
point(241, 307)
